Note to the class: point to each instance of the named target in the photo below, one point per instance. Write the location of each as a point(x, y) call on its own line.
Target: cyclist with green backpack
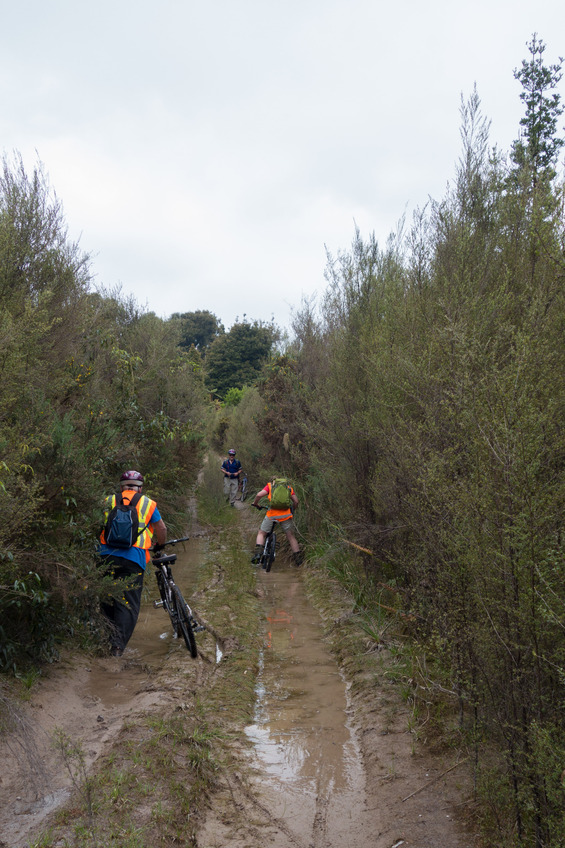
point(282, 503)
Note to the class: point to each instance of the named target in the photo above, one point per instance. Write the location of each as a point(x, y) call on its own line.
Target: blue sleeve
point(155, 517)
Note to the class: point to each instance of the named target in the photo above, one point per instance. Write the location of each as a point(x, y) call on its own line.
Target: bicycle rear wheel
point(269, 556)
point(183, 625)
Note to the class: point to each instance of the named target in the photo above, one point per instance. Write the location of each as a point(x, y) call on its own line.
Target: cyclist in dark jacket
point(231, 469)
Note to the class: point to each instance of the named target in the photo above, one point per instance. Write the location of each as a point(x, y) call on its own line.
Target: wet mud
point(328, 768)
point(308, 775)
point(153, 636)
point(89, 699)
point(306, 753)
point(321, 768)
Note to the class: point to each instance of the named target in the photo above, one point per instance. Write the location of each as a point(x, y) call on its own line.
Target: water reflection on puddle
point(302, 740)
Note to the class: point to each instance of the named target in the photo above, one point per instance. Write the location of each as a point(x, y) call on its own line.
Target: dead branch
point(429, 783)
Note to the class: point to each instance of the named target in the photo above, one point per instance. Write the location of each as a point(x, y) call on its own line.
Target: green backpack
point(280, 493)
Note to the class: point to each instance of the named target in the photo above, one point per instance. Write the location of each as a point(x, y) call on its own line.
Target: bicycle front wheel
point(270, 551)
point(182, 622)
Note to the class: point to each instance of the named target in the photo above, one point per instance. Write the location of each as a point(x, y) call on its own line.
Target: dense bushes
point(419, 410)
point(423, 406)
point(90, 385)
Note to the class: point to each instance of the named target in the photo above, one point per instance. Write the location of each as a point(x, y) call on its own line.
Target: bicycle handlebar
point(268, 506)
point(156, 548)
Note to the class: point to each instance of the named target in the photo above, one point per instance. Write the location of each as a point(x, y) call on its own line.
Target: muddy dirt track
point(325, 767)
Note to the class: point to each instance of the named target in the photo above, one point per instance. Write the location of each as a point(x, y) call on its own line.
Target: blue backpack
point(122, 526)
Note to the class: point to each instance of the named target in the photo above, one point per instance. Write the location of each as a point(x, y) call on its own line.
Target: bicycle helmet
point(132, 478)
point(231, 452)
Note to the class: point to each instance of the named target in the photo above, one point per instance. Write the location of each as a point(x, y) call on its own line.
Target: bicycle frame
point(269, 550)
point(165, 581)
point(172, 600)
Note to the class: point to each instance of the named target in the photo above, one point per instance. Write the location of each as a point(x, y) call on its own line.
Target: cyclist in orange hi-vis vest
point(284, 518)
point(128, 562)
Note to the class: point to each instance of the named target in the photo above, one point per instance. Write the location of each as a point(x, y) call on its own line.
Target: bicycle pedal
point(158, 604)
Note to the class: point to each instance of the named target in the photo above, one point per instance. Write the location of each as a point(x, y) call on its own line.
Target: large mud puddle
point(307, 771)
point(304, 756)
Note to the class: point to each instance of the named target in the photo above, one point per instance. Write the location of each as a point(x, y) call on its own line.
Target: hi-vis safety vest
point(145, 508)
point(279, 514)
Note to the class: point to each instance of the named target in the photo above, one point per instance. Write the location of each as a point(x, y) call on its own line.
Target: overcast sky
point(207, 153)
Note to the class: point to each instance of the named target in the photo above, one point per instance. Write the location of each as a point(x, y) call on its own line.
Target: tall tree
point(235, 359)
point(539, 146)
point(199, 328)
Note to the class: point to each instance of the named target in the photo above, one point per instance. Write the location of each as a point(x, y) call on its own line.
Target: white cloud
point(207, 153)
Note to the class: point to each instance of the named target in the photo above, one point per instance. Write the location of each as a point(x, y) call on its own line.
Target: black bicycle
point(270, 547)
point(171, 597)
point(243, 489)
